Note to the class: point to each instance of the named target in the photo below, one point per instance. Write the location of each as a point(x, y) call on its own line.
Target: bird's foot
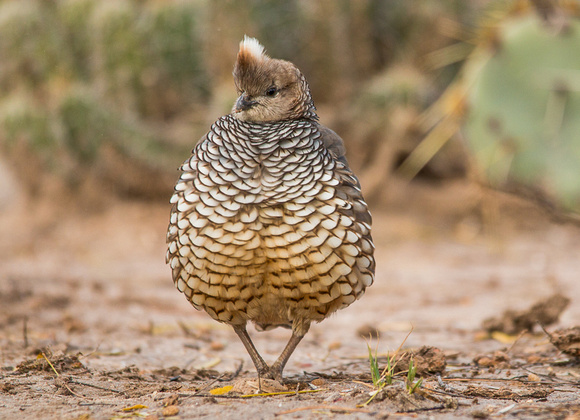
point(275, 372)
point(263, 371)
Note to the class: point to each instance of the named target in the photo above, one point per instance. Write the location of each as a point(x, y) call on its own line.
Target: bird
point(268, 223)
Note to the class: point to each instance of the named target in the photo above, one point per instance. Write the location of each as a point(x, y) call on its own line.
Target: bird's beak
point(244, 103)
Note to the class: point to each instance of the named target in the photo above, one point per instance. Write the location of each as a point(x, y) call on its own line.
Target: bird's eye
point(272, 91)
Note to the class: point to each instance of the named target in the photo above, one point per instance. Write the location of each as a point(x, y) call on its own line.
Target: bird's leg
point(278, 366)
point(299, 330)
point(261, 366)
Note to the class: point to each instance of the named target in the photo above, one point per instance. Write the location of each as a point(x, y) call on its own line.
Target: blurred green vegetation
point(523, 125)
point(115, 93)
point(90, 88)
point(120, 91)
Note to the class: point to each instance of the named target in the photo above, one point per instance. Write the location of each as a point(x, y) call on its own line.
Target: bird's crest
point(251, 51)
point(250, 48)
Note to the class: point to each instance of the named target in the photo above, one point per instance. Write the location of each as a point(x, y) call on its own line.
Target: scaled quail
point(268, 221)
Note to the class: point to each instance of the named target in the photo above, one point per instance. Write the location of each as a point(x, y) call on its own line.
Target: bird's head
point(270, 89)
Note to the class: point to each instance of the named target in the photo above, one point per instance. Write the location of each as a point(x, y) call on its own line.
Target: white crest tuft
point(252, 47)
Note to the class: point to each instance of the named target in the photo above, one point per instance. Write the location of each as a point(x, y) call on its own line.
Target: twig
point(236, 373)
point(324, 407)
point(25, 331)
point(365, 384)
point(451, 394)
point(97, 386)
point(269, 394)
point(442, 384)
point(505, 409)
point(86, 404)
point(560, 380)
point(265, 394)
point(514, 379)
point(199, 391)
point(419, 409)
point(196, 395)
point(50, 364)
point(86, 356)
point(520, 335)
point(58, 376)
point(187, 331)
point(188, 364)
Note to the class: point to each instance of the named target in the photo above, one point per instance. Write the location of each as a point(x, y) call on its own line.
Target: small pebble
point(484, 361)
point(318, 382)
point(216, 345)
point(170, 410)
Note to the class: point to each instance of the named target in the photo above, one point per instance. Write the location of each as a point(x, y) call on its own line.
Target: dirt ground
point(84, 287)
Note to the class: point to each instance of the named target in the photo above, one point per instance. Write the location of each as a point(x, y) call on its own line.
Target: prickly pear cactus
point(90, 88)
point(523, 125)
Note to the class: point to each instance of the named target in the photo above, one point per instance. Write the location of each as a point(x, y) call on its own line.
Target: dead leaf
point(221, 391)
point(504, 338)
point(135, 407)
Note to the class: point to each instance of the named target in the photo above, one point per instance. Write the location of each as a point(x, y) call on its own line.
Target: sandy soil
point(86, 288)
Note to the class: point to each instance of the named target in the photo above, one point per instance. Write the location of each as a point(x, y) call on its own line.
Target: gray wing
point(350, 185)
point(333, 143)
